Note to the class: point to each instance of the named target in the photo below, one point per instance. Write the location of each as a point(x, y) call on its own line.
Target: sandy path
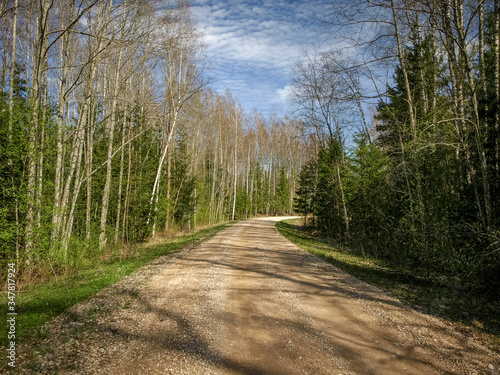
point(250, 302)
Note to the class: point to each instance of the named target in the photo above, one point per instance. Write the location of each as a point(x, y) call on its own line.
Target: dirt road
point(250, 302)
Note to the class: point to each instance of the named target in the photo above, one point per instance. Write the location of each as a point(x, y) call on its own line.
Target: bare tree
point(180, 66)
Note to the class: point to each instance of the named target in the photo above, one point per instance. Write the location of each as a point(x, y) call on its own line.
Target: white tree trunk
point(110, 130)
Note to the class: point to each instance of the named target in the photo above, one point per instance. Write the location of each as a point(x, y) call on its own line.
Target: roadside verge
point(469, 309)
point(38, 304)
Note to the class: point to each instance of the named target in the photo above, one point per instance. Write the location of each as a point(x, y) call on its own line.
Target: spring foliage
point(421, 187)
point(109, 134)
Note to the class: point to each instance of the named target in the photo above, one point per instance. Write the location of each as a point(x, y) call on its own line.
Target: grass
point(467, 307)
point(39, 303)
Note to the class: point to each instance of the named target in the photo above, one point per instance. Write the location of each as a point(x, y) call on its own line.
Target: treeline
point(421, 186)
point(109, 133)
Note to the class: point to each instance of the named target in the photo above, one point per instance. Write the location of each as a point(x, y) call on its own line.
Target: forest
point(111, 134)
point(419, 184)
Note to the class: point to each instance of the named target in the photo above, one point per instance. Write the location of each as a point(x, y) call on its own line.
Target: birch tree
point(180, 64)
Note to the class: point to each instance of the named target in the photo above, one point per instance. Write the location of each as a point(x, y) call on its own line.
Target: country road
point(248, 301)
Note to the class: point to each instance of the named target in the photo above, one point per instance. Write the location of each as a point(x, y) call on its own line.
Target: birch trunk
point(127, 190)
point(62, 105)
point(212, 206)
point(459, 105)
point(169, 178)
point(88, 169)
point(42, 24)
point(235, 160)
point(76, 190)
point(12, 67)
point(110, 130)
point(120, 179)
point(478, 133)
point(411, 108)
point(11, 118)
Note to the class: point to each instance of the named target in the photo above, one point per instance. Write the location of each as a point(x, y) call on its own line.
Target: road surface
point(248, 301)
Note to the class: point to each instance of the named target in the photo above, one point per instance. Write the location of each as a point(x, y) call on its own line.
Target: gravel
point(248, 301)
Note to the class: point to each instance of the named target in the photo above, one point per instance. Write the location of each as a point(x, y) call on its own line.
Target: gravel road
point(248, 301)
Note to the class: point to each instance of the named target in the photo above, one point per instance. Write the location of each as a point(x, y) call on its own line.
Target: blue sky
point(252, 45)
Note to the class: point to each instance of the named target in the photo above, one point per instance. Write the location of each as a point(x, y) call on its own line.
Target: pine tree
point(282, 198)
point(304, 202)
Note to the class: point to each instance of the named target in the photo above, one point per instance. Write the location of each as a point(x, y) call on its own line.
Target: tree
point(305, 201)
point(181, 70)
point(282, 197)
point(107, 129)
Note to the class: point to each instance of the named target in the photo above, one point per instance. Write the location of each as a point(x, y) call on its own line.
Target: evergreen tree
point(13, 150)
point(183, 202)
point(304, 202)
point(282, 197)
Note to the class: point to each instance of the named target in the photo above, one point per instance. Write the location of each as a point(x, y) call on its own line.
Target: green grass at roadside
point(465, 306)
point(39, 303)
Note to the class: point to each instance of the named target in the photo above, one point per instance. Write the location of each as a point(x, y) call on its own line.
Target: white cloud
point(282, 94)
point(254, 42)
point(254, 31)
